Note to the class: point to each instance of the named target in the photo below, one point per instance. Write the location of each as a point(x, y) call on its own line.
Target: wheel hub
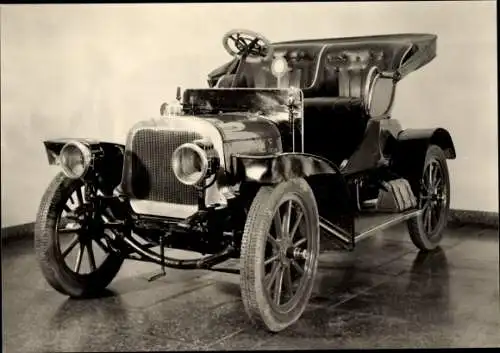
point(436, 196)
point(283, 246)
point(287, 252)
point(90, 224)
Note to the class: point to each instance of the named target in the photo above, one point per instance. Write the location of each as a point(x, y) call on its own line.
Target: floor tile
point(384, 294)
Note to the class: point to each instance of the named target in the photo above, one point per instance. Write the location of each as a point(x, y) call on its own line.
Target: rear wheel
point(426, 230)
point(279, 254)
point(70, 244)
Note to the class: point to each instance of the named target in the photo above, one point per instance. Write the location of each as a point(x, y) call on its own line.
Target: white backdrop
point(93, 70)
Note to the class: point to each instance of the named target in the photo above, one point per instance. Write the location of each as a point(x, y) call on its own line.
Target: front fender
point(330, 189)
point(107, 162)
point(280, 167)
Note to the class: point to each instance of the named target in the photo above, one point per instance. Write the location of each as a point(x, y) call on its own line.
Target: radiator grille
point(148, 163)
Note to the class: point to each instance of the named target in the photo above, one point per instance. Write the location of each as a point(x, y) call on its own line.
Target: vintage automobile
point(292, 142)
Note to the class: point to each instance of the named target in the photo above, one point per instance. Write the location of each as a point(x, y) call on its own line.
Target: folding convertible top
point(403, 53)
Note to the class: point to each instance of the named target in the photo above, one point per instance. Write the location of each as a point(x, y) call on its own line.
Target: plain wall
point(94, 70)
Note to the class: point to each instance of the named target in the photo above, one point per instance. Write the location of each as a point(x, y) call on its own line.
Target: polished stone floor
point(385, 294)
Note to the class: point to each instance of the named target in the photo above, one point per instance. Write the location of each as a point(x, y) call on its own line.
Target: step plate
point(397, 197)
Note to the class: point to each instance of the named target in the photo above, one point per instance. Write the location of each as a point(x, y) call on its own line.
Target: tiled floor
point(384, 294)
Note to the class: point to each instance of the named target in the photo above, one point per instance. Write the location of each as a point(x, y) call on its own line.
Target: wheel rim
point(80, 239)
point(433, 197)
point(289, 255)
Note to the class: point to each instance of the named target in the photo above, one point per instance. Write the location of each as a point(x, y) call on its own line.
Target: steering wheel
point(238, 42)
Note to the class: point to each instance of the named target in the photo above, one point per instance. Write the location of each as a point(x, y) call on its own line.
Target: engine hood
point(247, 133)
point(244, 126)
point(250, 120)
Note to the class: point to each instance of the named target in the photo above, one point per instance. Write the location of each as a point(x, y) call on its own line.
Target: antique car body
point(304, 125)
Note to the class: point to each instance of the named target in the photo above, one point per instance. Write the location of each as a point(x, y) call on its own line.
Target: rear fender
point(107, 159)
point(327, 182)
point(408, 155)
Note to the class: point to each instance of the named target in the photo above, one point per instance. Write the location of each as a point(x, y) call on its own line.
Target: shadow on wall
point(95, 70)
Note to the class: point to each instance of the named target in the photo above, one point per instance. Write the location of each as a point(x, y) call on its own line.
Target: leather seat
point(338, 120)
point(341, 118)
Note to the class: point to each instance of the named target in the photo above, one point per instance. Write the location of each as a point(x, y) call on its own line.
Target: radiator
point(147, 168)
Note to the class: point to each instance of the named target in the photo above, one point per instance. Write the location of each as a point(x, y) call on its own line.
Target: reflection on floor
point(385, 294)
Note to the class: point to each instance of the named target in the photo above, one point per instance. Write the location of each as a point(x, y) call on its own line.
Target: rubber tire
point(53, 267)
point(258, 222)
point(415, 226)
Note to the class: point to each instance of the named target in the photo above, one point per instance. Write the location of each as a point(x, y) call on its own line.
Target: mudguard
point(280, 167)
point(408, 153)
point(329, 186)
point(107, 163)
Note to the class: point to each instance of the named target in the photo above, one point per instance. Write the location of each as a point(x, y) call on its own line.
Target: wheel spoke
point(90, 254)
point(286, 221)
point(289, 281)
point(272, 241)
point(297, 266)
point(71, 199)
point(101, 245)
point(296, 225)
point(434, 219)
point(72, 216)
point(425, 210)
point(66, 208)
point(300, 242)
point(435, 176)
point(428, 224)
point(272, 277)
point(70, 247)
point(277, 224)
point(278, 286)
point(68, 230)
point(78, 263)
point(79, 196)
point(272, 259)
point(438, 183)
point(430, 176)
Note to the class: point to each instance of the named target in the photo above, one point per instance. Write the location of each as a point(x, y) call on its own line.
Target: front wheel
point(426, 230)
point(71, 248)
point(279, 254)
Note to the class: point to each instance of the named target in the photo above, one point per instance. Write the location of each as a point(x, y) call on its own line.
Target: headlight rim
point(176, 163)
point(86, 153)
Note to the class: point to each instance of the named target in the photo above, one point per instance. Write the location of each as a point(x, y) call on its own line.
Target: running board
point(372, 223)
point(365, 225)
